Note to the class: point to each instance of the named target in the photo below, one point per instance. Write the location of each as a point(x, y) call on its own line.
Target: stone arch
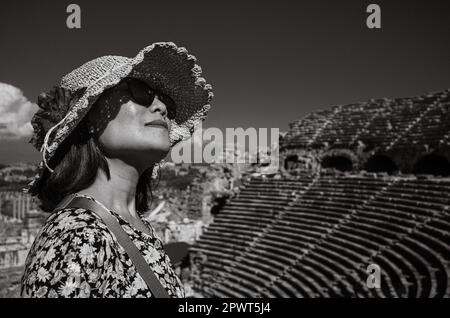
point(339, 159)
point(291, 162)
point(434, 164)
point(338, 162)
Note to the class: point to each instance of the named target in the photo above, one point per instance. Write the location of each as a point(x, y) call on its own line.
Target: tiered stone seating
point(347, 123)
point(235, 229)
point(393, 121)
point(432, 127)
point(310, 237)
point(383, 123)
point(302, 132)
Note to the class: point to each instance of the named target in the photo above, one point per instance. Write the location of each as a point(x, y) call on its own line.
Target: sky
point(269, 62)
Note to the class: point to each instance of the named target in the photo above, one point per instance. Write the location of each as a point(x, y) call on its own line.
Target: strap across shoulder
point(122, 237)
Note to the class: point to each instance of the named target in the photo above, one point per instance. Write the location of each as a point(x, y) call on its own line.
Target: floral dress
point(75, 255)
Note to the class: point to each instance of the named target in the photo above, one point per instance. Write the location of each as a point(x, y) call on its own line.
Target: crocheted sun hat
point(162, 65)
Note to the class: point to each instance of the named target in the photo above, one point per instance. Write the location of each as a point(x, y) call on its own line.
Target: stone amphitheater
point(361, 184)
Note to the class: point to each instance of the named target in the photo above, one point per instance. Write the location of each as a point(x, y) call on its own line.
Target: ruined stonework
point(361, 186)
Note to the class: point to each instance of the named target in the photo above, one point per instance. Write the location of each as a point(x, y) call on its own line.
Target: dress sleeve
point(79, 263)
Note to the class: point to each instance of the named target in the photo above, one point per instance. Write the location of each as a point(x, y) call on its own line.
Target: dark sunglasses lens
point(141, 93)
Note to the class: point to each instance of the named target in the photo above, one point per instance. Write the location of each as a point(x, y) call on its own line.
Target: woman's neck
point(119, 192)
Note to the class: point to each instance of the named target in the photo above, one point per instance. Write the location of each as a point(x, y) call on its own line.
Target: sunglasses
point(144, 95)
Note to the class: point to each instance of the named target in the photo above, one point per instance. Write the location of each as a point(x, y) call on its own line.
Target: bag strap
point(124, 240)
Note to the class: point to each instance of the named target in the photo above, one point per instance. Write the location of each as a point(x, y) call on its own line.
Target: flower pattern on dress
point(75, 255)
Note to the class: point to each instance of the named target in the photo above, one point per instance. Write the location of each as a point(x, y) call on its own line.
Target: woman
point(102, 134)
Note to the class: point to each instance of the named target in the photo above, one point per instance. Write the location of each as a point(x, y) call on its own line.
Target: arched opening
point(432, 164)
point(380, 163)
point(291, 162)
point(218, 204)
point(340, 163)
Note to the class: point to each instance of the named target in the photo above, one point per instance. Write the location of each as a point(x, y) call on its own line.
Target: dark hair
point(75, 165)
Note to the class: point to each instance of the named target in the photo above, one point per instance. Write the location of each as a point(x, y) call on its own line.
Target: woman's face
point(131, 124)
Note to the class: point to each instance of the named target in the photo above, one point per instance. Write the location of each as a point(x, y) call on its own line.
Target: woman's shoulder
point(73, 246)
point(73, 219)
point(70, 226)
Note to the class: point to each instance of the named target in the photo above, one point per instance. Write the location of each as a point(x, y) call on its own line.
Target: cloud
point(16, 112)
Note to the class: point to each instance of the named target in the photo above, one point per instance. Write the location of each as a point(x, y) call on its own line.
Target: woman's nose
point(158, 106)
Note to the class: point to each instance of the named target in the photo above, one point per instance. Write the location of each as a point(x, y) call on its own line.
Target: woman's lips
point(158, 123)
